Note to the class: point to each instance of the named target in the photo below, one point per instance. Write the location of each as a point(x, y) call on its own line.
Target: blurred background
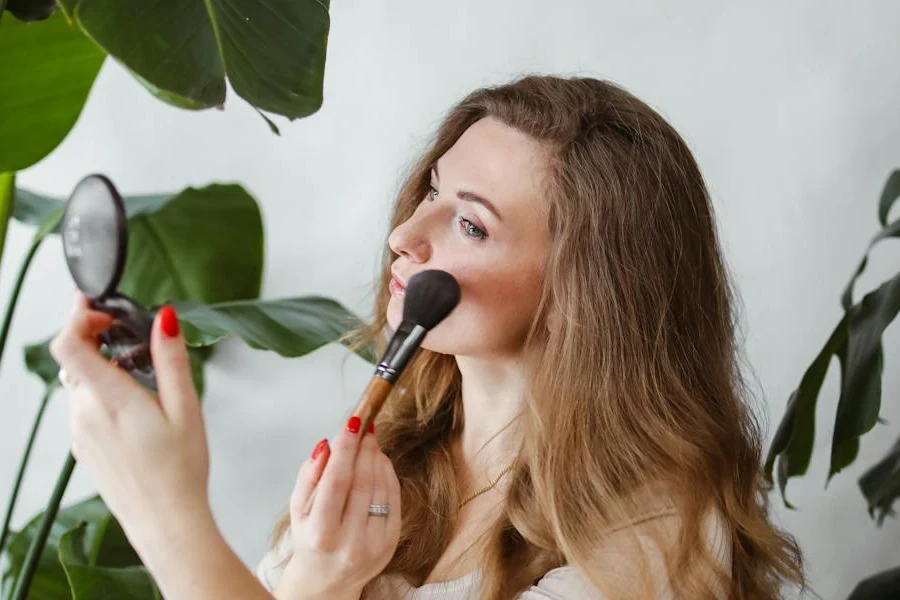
point(789, 108)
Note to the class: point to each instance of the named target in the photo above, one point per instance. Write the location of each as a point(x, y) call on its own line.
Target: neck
point(493, 390)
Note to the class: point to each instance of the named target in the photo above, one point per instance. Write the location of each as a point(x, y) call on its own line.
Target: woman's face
point(495, 255)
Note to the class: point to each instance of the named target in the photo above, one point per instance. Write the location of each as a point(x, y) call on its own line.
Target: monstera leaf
point(881, 484)
point(856, 342)
point(46, 72)
point(273, 53)
point(882, 586)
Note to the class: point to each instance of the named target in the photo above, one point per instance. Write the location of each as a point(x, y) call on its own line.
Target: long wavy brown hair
point(635, 380)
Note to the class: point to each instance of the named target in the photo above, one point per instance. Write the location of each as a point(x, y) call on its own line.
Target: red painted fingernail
point(114, 362)
point(169, 320)
point(319, 448)
point(353, 424)
point(372, 427)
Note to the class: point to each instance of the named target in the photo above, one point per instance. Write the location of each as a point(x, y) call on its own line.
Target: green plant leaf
point(888, 231)
point(29, 10)
point(273, 53)
point(881, 484)
point(90, 581)
point(39, 361)
point(101, 543)
point(860, 400)
point(46, 72)
point(288, 326)
point(50, 580)
point(889, 195)
point(856, 341)
point(793, 442)
point(179, 244)
point(36, 209)
point(882, 586)
point(7, 202)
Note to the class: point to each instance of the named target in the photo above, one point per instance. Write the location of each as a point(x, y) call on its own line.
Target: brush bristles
point(430, 296)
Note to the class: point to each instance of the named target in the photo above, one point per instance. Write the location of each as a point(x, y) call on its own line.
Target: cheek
point(498, 304)
point(506, 298)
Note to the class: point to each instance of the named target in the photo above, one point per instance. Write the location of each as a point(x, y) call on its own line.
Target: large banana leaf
point(46, 72)
point(86, 552)
point(179, 245)
point(175, 244)
point(272, 52)
point(289, 326)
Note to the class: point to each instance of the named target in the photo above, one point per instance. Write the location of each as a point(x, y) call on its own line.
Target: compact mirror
point(94, 230)
point(95, 236)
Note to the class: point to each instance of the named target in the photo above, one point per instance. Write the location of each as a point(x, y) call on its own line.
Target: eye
point(468, 227)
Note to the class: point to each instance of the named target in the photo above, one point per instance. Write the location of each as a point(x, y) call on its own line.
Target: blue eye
point(469, 228)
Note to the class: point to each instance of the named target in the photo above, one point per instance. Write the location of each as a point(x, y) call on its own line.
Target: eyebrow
point(471, 196)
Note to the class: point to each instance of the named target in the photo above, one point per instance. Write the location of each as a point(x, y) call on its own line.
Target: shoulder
point(630, 554)
point(270, 567)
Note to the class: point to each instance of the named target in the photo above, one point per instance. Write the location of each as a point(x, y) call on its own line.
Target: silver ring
point(66, 380)
point(378, 510)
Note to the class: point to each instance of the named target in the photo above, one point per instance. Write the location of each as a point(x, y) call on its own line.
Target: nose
point(407, 240)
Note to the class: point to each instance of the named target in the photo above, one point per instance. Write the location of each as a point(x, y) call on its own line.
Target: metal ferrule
point(401, 349)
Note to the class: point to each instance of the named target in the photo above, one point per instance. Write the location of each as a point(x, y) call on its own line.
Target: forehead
point(501, 163)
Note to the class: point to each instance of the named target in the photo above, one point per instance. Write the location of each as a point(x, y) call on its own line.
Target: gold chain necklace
point(488, 487)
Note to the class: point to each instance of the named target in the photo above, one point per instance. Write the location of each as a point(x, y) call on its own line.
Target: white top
point(565, 582)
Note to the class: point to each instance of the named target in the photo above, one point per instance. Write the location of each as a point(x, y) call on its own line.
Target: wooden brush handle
point(372, 399)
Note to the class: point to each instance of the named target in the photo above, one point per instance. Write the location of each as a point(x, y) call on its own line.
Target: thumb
point(177, 395)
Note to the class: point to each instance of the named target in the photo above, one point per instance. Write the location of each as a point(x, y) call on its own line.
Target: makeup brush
point(430, 296)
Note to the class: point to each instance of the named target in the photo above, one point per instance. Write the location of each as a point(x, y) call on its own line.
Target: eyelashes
point(469, 228)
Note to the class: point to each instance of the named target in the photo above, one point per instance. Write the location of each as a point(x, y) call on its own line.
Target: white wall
point(791, 109)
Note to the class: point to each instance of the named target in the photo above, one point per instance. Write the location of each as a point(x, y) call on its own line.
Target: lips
point(397, 286)
point(399, 279)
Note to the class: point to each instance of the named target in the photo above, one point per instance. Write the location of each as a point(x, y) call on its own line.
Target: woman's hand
point(147, 456)
point(338, 546)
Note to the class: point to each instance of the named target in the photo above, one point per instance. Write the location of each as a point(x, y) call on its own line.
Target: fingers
point(393, 489)
point(331, 495)
point(307, 478)
point(380, 495)
point(177, 394)
point(76, 347)
point(356, 512)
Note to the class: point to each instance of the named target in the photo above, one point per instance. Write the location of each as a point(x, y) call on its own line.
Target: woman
point(574, 429)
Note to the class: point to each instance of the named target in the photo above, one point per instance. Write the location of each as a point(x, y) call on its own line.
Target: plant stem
point(15, 492)
point(14, 297)
point(7, 192)
point(20, 592)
